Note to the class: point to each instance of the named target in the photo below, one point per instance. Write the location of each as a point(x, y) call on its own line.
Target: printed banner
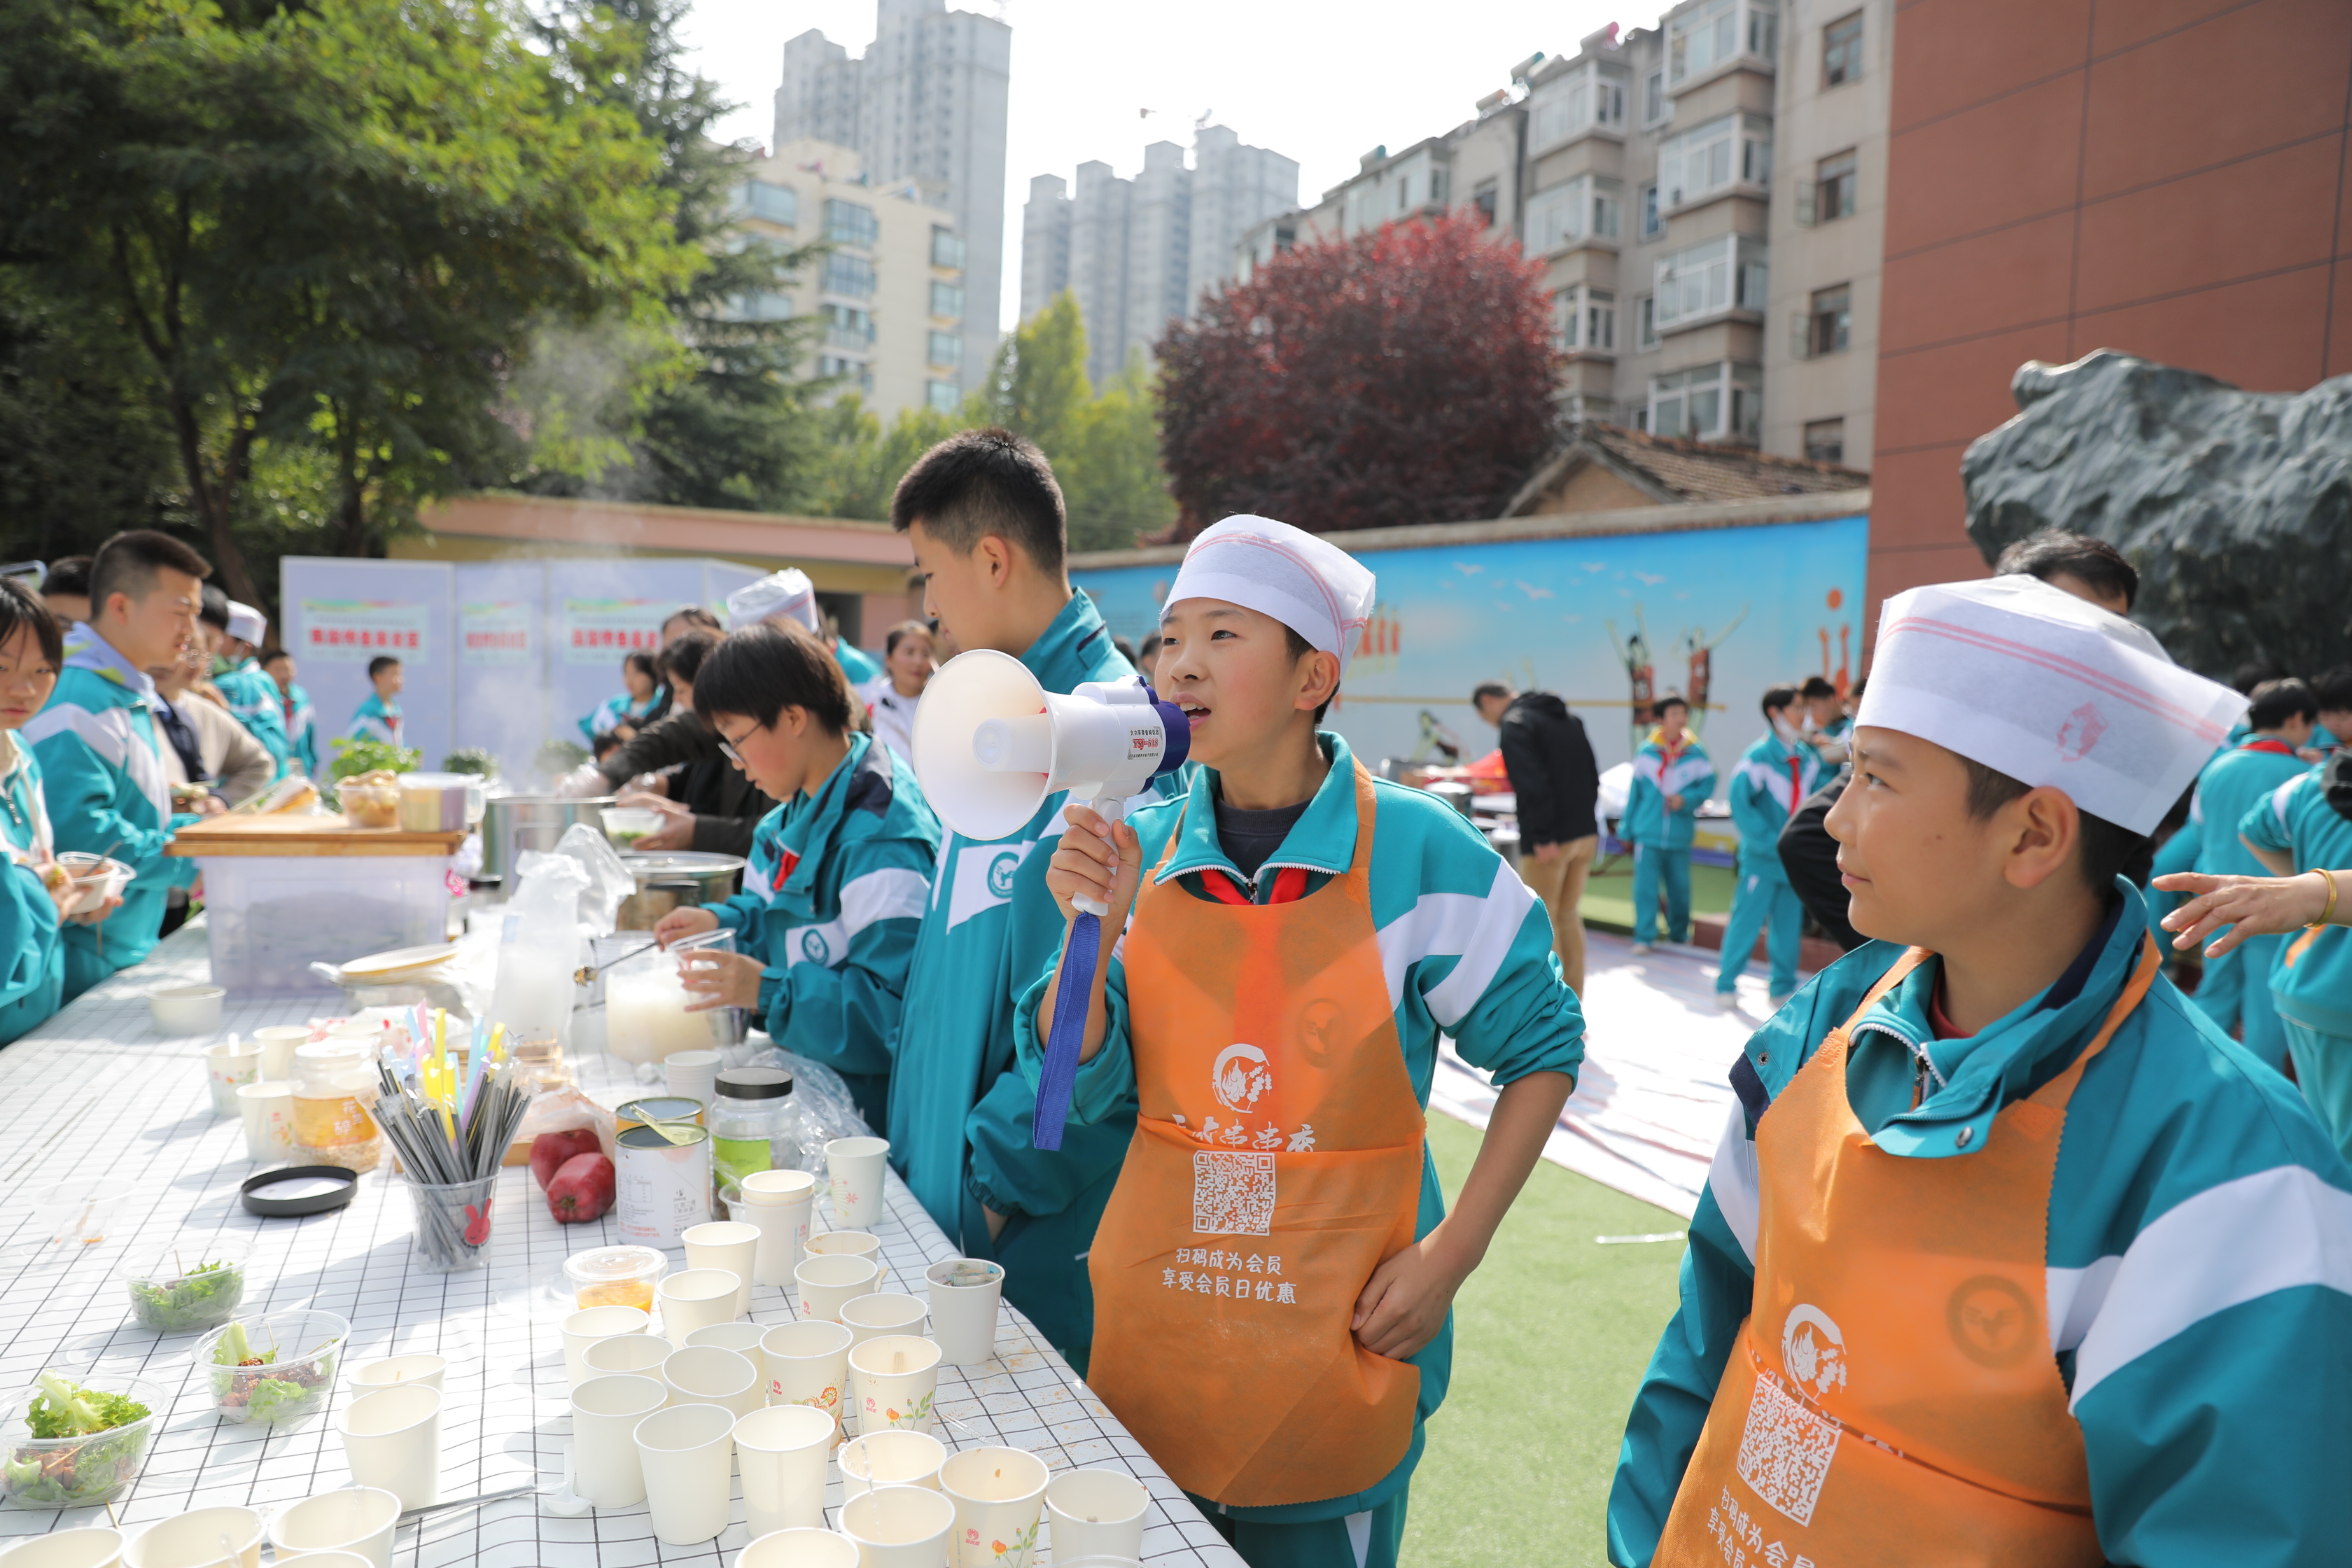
point(599, 631)
point(354, 631)
point(495, 633)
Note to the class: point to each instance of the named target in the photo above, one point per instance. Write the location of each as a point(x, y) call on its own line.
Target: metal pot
point(512, 823)
point(1453, 793)
point(675, 879)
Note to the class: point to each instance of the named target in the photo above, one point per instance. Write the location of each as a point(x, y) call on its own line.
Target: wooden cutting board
point(290, 837)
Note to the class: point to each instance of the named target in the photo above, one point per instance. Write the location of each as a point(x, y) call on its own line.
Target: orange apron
point(1277, 1163)
point(1893, 1396)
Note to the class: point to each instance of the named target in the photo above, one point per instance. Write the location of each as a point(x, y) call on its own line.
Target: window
point(1653, 98)
point(947, 248)
point(1709, 279)
point(1842, 51)
point(1707, 34)
point(1719, 402)
point(776, 204)
point(1833, 188)
point(1600, 321)
point(1584, 319)
point(764, 307)
point(1586, 206)
point(1646, 323)
point(947, 302)
point(1574, 102)
point(1651, 226)
point(850, 275)
point(1825, 440)
point(1483, 199)
point(847, 327)
point(1829, 323)
point(1437, 187)
point(856, 373)
point(946, 349)
point(1703, 160)
point(941, 395)
point(846, 223)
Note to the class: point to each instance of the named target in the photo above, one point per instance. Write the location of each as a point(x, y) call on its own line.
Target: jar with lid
point(335, 1081)
point(754, 1125)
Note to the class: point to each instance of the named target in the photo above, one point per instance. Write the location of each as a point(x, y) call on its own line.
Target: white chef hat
point(785, 592)
point(1309, 585)
point(246, 624)
point(2049, 688)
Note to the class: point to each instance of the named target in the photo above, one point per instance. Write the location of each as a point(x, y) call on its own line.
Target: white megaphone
point(991, 744)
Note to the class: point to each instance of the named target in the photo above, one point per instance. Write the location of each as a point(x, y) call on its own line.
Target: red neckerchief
point(2274, 748)
point(1289, 886)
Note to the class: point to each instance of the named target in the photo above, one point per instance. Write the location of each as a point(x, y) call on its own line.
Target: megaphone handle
point(1113, 810)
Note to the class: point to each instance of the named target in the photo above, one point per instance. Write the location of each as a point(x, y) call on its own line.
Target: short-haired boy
point(1671, 773)
point(1775, 774)
point(377, 718)
point(2007, 1255)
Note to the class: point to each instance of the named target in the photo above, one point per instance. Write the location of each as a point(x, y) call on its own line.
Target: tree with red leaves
point(1402, 376)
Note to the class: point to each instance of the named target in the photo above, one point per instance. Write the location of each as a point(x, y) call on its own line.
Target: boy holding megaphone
point(1274, 1274)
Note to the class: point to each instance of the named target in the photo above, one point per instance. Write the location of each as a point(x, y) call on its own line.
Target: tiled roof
point(1688, 471)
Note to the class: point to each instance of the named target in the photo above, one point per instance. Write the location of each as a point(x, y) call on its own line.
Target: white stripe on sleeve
point(110, 742)
point(895, 893)
point(2275, 1230)
point(1479, 931)
point(1732, 1179)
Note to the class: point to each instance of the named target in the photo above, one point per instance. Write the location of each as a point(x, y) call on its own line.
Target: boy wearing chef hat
point(789, 596)
point(2007, 1255)
point(253, 696)
point(1273, 1278)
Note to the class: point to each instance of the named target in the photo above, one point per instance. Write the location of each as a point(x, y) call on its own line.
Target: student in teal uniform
point(985, 518)
point(623, 713)
point(377, 718)
point(98, 747)
point(1671, 773)
point(294, 704)
point(32, 889)
point(253, 698)
point(1774, 775)
point(838, 874)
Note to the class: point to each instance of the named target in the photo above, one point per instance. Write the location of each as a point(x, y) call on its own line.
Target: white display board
point(339, 613)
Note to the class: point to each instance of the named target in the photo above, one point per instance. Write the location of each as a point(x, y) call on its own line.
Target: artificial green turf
point(1609, 894)
point(1550, 1336)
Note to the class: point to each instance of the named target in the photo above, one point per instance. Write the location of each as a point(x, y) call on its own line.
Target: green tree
point(862, 460)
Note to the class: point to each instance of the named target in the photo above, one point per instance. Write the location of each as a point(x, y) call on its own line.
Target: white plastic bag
point(540, 946)
point(607, 881)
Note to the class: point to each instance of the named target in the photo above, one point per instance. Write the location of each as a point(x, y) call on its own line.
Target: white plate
point(400, 961)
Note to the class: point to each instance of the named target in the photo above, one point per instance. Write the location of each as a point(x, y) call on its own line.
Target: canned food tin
point(661, 1187)
point(656, 1108)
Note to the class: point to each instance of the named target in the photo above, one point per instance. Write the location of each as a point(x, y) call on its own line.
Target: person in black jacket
point(1558, 782)
point(1809, 854)
point(711, 806)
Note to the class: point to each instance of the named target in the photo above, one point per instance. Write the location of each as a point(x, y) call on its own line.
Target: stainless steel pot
point(512, 823)
point(673, 878)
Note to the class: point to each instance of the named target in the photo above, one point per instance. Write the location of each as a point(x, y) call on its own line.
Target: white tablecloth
point(96, 1093)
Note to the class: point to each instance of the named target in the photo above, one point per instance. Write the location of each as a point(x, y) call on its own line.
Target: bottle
point(751, 1114)
point(335, 1083)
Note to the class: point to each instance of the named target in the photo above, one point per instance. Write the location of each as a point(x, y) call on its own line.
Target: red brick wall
point(2164, 177)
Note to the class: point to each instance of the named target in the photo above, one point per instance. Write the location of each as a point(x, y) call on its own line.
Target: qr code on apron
point(1785, 1450)
point(1233, 1194)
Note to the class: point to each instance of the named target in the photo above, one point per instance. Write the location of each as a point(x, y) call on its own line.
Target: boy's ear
point(2043, 829)
point(1319, 674)
point(997, 557)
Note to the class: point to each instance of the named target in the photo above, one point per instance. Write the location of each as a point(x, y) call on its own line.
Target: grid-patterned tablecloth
point(95, 1091)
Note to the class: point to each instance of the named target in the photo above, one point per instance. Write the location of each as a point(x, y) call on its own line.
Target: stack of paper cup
point(1096, 1513)
point(694, 1074)
point(226, 1066)
point(193, 1539)
point(357, 1519)
point(778, 1203)
point(686, 1451)
point(277, 1044)
point(705, 1374)
point(829, 1284)
point(800, 1548)
point(808, 1363)
point(725, 1244)
point(605, 1411)
point(855, 1166)
point(964, 1293)
point(997, 1494)
point(391, 1439)
point(891, 1459)
point(780, 1452)
point(900, 1527)
point(591, 1325)
point(893, 1380)
point(267, 1110)
point(696, 1300)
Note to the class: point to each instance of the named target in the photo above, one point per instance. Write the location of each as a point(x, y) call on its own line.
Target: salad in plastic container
point(280, 1367)
point(74, 1441)
point(198, 1283)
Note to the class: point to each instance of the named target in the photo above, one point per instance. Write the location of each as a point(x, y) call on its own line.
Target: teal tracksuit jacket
point(2311, 982)
point(855, 662)
point(2200, 1254)
point(1690, 774)
point(376, 720)
point(32, 956)
point(256, 703)
point(833, 895)
point(2235, 987)
point(959, 1111)
point(1467, 949)
point(301, 727)
point(1772, 777)
point(102, 771)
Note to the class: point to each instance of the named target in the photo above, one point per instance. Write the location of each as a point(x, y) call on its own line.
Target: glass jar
point(754, 1123)
point(335, 1081)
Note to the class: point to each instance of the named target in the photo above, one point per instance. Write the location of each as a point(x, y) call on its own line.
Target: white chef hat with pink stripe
point(785, 592)
point(1309, 585)
point(2049, 688)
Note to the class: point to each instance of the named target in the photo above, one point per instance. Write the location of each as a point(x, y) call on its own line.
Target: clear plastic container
point(646, 1016)
point(288, 1369)
point(270, 917)
point(616, 1275)
point(198, 1283)
point(80, 1471)
point(369, 806)
point(335, 1083)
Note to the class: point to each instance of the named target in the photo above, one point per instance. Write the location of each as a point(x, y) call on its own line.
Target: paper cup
point(357, 1519)
point(685, 1452)
point(743, 1339)
point(692, 1074)
point(891, 1459)
point(391, 1439)
point(964, 1292)
point(595, 1324)
point(730, 1245)
point(328, 1559)
point(193, 1539)
point(392, 1371)
point(268, 1113)
point(778, 1188)
point(796, 1549)
point(705, 1374)
point(102, 1548)
point(855, 1165)
point(845, 1244)
point(639, 1353)
point(604, 1415)
point(829, 1284)
point(884, 1313)
point(900, 1527)
point(276, 1043)
point(997, 1494)
point(781, 1453)
point(697, 1299)
point(227, 1066)
point(783, 1229)
point(892, 1380)
point(1096, 1513)
point(808, 1363)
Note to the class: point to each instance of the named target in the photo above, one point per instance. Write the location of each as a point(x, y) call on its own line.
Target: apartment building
point(891, 291)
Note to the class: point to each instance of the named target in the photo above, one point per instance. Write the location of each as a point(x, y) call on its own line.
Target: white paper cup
point(328, 1559)
point(829, 1284)
point(900, 1527)
point(997, 1494)
point(604, 1416)
point(1096, 1513)
point(277, 1042)
point(694, 1074)
point(391, 1439)
point(639, 1353)
point(964, 1293)
point(392, 1371)
point(227, 1066)
point(892, 1380)
point(778, 1188)
point(845, 1244)
point(697, 1299)
point(591, 1325)
point(884, 1313)
point(705, 1374)
point(684, 1451)
point(267, 1112)
point(799, 1549)
point(891, 1459)
point(743, 1339)
point(780, 1452)
point(730, 1245)
point(193, 1539)
point(102, 1548)
point(783, 1224)
point(356, 1519)
point(807, 1363)
point(855, 1166)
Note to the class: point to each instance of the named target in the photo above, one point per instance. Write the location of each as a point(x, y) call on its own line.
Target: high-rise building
point(926, 103)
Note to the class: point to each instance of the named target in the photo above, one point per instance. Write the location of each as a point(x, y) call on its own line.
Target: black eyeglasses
point(727, 748)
